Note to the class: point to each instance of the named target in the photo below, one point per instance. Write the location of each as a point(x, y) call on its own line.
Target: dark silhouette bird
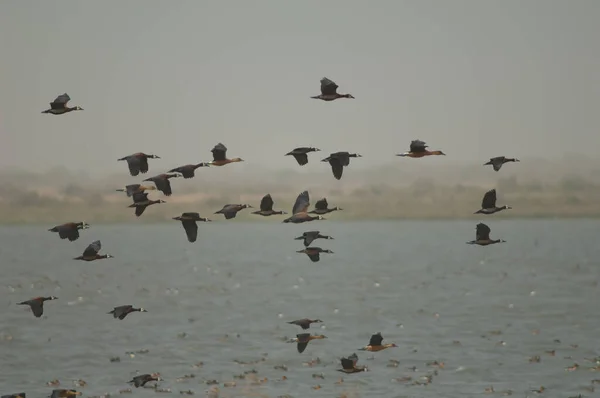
point(220, 156)
point(349, 365)
point(62, 393)
point(266, 207)
point(141, 201)
point(162, 182)
point(138, 162)
point(141, 380)
point(188, 170)
point(188, 220)
point(70, 230)
point(310, 236)
point(482, 236)
point(230, 210)
point(301, 154)
point(303, 339)
point(488, 204)
point(135, 188)
point(321, 207)
point(329, 91)
point(314, 253)
point(418, 150)
point(305, 322)
point(375, 344)
point(498, 161)
point(37, 304)
point(59, 106)
point(338, 161)
point(299, 211)
point(91, 252)
point(122, 311)
point(16, 395)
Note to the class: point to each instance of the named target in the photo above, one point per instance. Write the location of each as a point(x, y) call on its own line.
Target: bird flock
point(138, 163)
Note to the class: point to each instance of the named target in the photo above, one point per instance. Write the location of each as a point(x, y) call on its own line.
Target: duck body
point(37, 304)
point(338, 161)
point(122, 311)
point(300, 210)
point(322, 207)
point(162, 182)
point(329, 91)
point(188, 221)
point(138, 162)
point(132, 189)
point(231, 210)
point(418, 149)
point(376, 344)
point(305, 322)
point(70, 230)
point(482, 236)
point(488, 204)
point(141, 380)
point(303, 339)
point(141, 202)
point(498, 161)
point(349, 365)
point(59, 106)
point(91, 252)
point(314, 253)
point(220, 156)
point(309, 236)
point(189, 170)
point(266, 207)
point(301, 154)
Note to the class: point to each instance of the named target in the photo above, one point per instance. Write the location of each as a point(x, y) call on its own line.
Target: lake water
point(227, 298)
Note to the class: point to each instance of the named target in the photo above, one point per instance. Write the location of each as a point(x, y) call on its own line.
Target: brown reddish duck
point(135, 188)
point(141, 201)
point(488, 204)
point(314, 253)
point(138, 162)
point(188, 221)
point(303, 339)
point(301, 154)
point(230, 210)
point(418, 149)
point(375, 344)
point(188, 170)
point(91, 252)
point(141, 380)
point(70, 230)
point(329, 91)
point(321, 207)
point(220, 156)
point(338, 161)
point(498, 161)
point(59, 106)
point(299, 211)
point(310, 236)
point(349, 365)
point(305, 322)
point(162, 182)
point(37, 304)
point(122, 311)
point(266, 207)
point(482, 236)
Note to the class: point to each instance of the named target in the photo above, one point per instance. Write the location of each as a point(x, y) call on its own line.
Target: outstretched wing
point(489, 199)
point(60, 102)
point(347, 363)
point(301, 158)
point(219, 152)
point(482, 232)
point(417, 146)
point(376, 340)
point(191, 229)
point(139, 197)
point(321, 204)
point(336, 167)
point(132, 189)
point(163, 185)
point(134, 165)
point(92, 249)
point(328, 87)
point(302, 203)
point(266, 204)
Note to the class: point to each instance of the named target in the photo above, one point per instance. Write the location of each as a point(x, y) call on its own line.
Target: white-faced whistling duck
point(338, 161)
point(375, 344)
point(305, 323)
point(141, 380)
point(482, 236)
point(37, 304)
point(329, 91)
point(300, 209)
point(122, 311)
point(138, 162)
point(304, 338)
point(59, 105)
point(219, 156)
point(314, 253)
point(188, 220)
point(162, 182)
point(230, 211)
point(488, 204)
point(188, 170)
point(349, 365)
point(418, 150)
point(15, 395)
point(321, 207)
point(266, 207)
point(70, 230)
point(91, 252)
point(301, 154)
point(141, 201)
point(498, 161)
point(310, 236)
point(135, 188)
point(62, 393)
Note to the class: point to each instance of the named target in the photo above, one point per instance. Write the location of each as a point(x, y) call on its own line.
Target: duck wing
point(139, 210)
point(482, 232)
point(417, 146)
point(266, 204)
point(139, 197)
point(92, 249)
point(376, 340)
point(134, 165)
point(336, 167)
point(60, 102)
point(219, 152)
point(163, 185)
point(302, 203)
point(131, 189)
point(321, 204)
point(301, 158)
point(489, 200)
point(191, 229)
point(328, 87)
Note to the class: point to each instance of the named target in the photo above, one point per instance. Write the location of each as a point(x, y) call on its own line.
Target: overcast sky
point(474, 78)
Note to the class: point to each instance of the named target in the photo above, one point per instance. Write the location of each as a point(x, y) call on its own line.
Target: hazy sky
point(474, 78)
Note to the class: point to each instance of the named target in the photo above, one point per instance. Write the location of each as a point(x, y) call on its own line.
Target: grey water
point(228, 296)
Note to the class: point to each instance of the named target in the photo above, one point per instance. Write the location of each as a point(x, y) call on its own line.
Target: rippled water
point(227, 298)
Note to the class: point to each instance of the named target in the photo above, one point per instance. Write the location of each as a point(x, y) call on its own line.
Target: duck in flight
point(141, 201)
point(375, 344)
point(498, 161)
point(418, 149)
point(59, 106)
point(69, 230)
point(482, 236)
point(300, 209)
point(141, 380)
point(189, 170)
point(322, 207)
point(314, 253)
point(488, 204)
point(135, 188)
point(349, 365)
point(37, 304)
point(188, 221)
point(91, 252)
point(220, 156)
point(305, 322)
point(138, 162)
point(309, 236)
point(162, 182)
point(266, 207)
point(303, 339)
point(231, 210)
point(122, 311)
point(329, 91)
point(338, 161)
point(301, 154)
